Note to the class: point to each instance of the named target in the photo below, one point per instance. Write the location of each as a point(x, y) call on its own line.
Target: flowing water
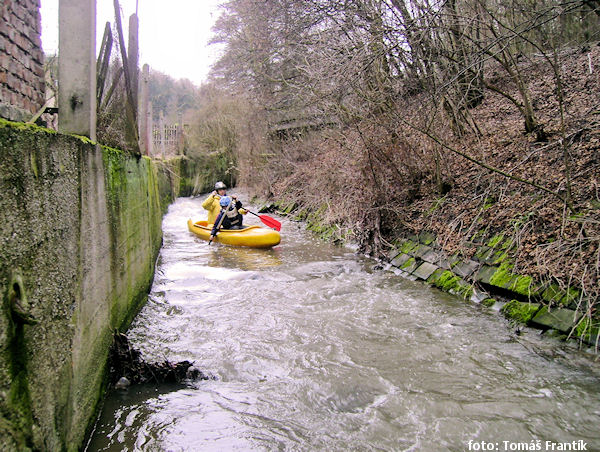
point(313, 349)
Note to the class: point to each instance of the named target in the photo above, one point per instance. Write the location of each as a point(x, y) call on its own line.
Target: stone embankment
point(80, 231)
point(488, 278)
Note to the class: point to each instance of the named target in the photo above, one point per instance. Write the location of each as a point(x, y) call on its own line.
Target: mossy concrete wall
point(80, 230)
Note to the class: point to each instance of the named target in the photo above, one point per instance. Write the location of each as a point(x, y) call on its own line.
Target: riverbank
point(516, 214)
point(486, 277)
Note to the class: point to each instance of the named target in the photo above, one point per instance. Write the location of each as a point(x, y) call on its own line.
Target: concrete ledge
point(425, 270)
point(559, 319)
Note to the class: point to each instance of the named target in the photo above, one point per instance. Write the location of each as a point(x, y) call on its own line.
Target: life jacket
point(232, 212)
point(232, 217)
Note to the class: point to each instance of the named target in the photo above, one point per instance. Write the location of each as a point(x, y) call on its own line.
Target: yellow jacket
point(211, 203)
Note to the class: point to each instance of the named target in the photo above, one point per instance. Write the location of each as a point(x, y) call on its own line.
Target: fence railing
point(167, 140)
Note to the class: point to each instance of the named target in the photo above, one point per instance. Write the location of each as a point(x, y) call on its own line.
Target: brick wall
point(21, 59)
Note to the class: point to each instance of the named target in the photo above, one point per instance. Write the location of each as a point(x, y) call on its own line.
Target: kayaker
point(231, 215)
point(212, 202)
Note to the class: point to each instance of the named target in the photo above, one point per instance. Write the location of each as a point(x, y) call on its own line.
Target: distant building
point(22, 85)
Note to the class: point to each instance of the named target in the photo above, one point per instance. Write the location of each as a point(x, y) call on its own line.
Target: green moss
point(21, 126)
point(483, 252)
point(465, 291)
point(499, 257)
point(521, 312)
point(426, 238)
point(489, 202)
point(116, 175)
point(301, 215)
point(286, 207)
point(34, 166)
point(18, 399)
point(495, 240)
point(447, 280)
point(587, 329)
point(506, 279)
point(503, 276)
point(435, 276)
point(453, 284)
point(84, 139)
point(523, 285)
point(408, 263)
point(408, 246)
point(478, 235)
point(488, 302)
point(507, 244)
point(571, 295)
point(552, 293)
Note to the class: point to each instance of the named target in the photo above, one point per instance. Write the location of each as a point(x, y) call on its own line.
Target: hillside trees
point(355, 62)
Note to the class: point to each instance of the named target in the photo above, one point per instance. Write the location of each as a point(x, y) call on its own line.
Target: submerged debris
point(127, 365)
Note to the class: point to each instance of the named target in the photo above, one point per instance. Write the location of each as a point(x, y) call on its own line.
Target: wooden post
point(131, 130)
point(77, 67)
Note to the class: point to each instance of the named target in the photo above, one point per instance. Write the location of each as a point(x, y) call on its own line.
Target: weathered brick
point(20, 11)
point(21, 56)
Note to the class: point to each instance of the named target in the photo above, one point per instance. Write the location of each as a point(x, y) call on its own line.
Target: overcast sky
point(173, 33)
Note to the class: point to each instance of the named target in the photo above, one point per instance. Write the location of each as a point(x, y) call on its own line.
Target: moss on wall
point(519, 311)
point(81, 224)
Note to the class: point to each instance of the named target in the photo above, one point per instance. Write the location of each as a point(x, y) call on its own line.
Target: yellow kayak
point(252, 236)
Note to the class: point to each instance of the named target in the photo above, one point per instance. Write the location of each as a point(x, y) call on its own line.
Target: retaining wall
point(80, 230)
point(489, 278)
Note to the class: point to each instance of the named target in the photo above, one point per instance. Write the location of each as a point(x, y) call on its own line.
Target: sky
point(173, 34)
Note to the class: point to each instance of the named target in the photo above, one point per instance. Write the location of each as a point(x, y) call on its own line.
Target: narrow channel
point(315, 349)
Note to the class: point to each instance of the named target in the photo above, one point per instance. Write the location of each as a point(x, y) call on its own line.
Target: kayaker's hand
point(214, 193)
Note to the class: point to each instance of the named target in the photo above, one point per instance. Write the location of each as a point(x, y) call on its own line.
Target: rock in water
point(123, 383)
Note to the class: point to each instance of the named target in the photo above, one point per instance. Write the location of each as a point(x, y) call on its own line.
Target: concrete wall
point(80, 229)
point(22, 83)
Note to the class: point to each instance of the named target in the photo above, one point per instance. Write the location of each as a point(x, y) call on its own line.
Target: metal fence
point(167, 140)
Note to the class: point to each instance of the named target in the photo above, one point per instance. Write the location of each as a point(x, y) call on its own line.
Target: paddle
point(220, 221)
point(271, 222)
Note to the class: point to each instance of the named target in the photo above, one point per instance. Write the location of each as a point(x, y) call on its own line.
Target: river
point(315, 349)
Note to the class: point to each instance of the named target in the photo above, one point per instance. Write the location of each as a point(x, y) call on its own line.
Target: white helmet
point(220, 186)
